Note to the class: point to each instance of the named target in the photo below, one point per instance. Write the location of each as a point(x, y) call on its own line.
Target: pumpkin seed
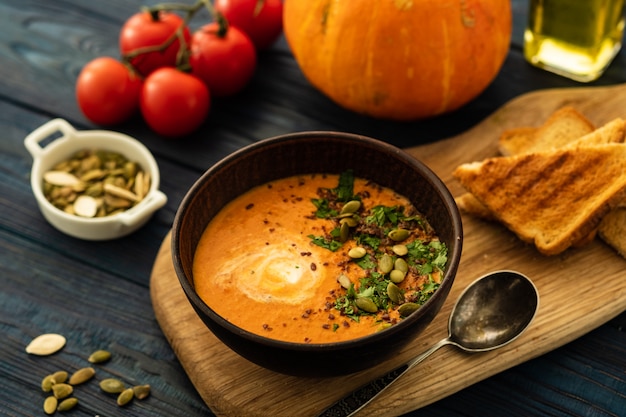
point(351, 207)
point(67, 404)
point(120, 192)
point(383, 326)
point(400, 250)
point(146, 182)
point(85, 206)
point(130, 170)
point(61, 391)
point(344, 281)
point(94, 174)
point(138, 187)
point(82, 375)
point(141, 391)
point(398, 235)
point(395, 293)
point(46, 344)
point(357, 252)
point(47, 382)
point(350, 221)
point(99, 356)
point(407, 309)
point(366, 304)
point(59, 377)
point(385, 264)
point(112, 386)
point(397, 276)
point(344, 232)
point(60, 178)
point(113, 202)
point(401, 265)
point(125, 397)
point(50, 405)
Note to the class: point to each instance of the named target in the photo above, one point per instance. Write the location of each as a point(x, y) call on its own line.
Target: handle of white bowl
point(151, 203)
point(45, 131)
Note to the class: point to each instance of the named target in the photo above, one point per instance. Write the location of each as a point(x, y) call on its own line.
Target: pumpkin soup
point(318, 259)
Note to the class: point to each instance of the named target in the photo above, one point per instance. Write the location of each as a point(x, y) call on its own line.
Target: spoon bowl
point(491, 312)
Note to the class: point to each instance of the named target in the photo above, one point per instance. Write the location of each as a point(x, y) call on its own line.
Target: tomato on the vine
point(152, 30)
point(107, 91)
point(174, 103)
point(261, 20)
point(223, 57)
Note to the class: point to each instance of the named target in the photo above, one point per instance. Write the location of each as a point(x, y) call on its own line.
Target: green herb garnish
point(425, 255)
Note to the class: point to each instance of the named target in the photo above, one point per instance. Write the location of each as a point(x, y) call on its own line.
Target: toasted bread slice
point(612, 132)
point(467, 203)
point(553, 199)
point(612, 230)
point(562, 127)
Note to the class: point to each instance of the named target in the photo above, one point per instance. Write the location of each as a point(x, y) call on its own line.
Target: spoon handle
point(359, 398)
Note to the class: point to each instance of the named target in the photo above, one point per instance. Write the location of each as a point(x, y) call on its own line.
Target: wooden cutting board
point(580, 290)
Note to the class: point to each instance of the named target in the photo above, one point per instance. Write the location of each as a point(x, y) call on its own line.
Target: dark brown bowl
point(305, 153)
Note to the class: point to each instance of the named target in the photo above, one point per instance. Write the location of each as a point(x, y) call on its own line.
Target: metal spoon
point(492, 311)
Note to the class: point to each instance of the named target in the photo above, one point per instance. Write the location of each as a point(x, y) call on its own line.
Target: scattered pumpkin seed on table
point(125, 397)
point(60, 377)
point(46, 344)
point(62, 390)
point(67, 404)
point(82, 375)
point(141, 391)
point(112, 386)
point(99, 356)
point(50, 405)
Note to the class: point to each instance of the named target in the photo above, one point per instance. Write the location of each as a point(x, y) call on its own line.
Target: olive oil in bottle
point(577, 39)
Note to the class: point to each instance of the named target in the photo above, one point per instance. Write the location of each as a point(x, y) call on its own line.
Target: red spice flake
point(249, 206)
point(313, 266)
point(326, 326)
point(307, 340)
point(345, 324)
point(265, 221)
point(331, 316)
point(306, 315)
point(305, 254)
point(267, 327)
point(272, 229)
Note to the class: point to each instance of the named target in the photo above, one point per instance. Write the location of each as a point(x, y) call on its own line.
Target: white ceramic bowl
point(62, 141)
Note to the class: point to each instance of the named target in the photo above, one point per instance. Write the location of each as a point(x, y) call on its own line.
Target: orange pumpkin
point(399, 59)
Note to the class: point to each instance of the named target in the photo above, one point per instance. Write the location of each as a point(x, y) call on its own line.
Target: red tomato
point(141, 31)
point(225, 63)
point(107, 91)
point(174, 103)
point(262, 20)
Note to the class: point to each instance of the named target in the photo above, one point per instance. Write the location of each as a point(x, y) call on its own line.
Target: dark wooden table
point(97, 293)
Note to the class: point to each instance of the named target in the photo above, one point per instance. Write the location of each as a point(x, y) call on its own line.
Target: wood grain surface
point(571, 303)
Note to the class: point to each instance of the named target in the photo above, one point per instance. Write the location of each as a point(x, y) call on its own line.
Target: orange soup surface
point(271, 260)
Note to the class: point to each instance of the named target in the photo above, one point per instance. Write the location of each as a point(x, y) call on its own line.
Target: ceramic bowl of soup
point(317, 253)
